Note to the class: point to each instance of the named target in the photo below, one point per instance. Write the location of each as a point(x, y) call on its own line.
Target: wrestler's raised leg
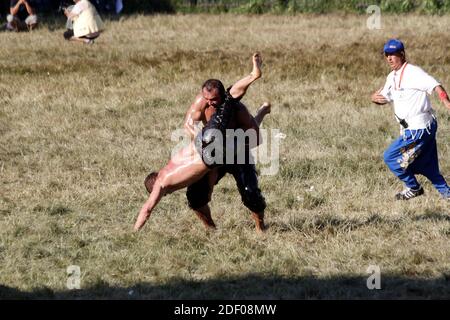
point(262, 112)
point(257, 64)
point(240, 87)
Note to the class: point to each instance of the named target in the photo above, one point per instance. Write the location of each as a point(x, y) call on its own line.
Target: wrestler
point(194, 161)
point(199, 193)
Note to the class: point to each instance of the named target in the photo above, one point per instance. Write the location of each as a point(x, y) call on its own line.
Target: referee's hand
point(378, 98)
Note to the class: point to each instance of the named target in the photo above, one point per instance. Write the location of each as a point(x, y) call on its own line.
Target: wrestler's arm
point(246, 121)
point(194, 114)
point(239, 89)
point(443, 96)
point(262, 112)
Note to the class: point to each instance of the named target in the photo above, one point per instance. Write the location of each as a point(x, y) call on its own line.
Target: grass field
point(81, 126)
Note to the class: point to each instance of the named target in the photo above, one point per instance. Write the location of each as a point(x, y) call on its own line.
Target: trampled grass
point(81, 126)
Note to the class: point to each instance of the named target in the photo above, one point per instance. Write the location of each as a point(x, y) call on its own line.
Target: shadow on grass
point(253, 286)
point(333, 223)
point(432, 216)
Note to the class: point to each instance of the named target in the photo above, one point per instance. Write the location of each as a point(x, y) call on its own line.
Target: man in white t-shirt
point(415, 151)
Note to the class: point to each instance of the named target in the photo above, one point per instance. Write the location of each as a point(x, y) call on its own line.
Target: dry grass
point(81, 126)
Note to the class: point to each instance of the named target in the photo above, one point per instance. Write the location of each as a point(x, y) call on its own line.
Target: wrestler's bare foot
point(257, 64)
point(207, 222)
point(259, 222)
point(204, 214)
point(265, 108)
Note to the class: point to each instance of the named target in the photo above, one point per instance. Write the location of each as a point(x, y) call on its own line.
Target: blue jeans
point(416, 153)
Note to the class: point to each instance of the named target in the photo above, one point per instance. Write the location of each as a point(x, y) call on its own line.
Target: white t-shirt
point(79, 7)
point(409, 88)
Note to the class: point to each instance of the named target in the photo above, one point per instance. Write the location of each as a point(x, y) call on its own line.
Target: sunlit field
point(82, 125)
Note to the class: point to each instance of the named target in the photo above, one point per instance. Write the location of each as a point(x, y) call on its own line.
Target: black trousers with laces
point(246, 181)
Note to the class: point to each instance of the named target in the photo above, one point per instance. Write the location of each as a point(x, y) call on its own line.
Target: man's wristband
point(443, 96)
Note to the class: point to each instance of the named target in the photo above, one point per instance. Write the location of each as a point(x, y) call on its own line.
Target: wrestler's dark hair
point(212, 84)
point(150, 181)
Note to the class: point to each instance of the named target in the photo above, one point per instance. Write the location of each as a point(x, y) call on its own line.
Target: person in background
point(84, 22)
point(22, 16)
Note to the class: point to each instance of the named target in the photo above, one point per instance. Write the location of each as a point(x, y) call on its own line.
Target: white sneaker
point(409, 193)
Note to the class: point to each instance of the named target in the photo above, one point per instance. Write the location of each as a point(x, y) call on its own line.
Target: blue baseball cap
point(393, 46)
